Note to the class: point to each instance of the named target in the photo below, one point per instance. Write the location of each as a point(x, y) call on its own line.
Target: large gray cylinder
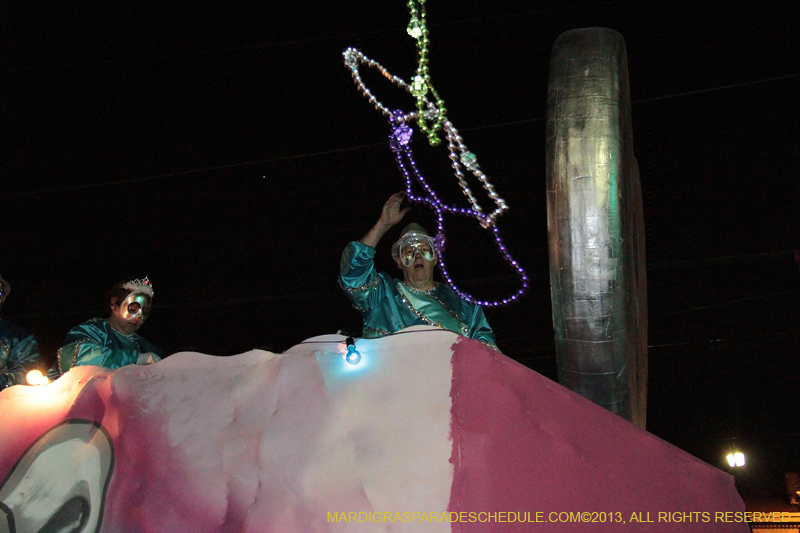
point(595, 224)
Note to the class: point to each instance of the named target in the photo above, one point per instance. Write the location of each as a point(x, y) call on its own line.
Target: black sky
point(224, 151)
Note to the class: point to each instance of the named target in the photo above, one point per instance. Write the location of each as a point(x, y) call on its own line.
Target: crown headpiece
point(141, 286)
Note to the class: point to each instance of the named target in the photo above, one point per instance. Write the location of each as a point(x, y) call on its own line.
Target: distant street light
point(735, 457)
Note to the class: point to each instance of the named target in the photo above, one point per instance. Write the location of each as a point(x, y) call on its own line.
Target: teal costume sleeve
point(471, 315)
point(479, 328)
point(19, 353)
point(96, 343)
point(371, 293)
point(385, 310)
point(357, 276)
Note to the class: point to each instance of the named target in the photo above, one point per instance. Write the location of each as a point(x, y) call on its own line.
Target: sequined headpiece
point(140, 286)
point(412, 232)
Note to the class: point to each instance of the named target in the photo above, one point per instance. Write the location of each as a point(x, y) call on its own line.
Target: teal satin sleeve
point(96, 343)
point(90, 354)
point(372, 293)
point(385, 310)
point(471, 315)
point(19, 353)
point(357, 275)
point(145, 346)
point(480, 329)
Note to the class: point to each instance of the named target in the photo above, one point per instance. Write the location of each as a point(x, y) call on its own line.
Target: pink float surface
point(429, 428)
point(524, 444)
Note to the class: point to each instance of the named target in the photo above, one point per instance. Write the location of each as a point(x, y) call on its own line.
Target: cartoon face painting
point(59, 484)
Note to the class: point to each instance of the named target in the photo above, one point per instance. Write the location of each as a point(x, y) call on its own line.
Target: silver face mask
point(135, 305)
point(406, 249)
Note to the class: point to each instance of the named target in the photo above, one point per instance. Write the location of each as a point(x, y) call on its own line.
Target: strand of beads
point(460, 158)
point(400, 142)
point(418, 29)
point(430, 117)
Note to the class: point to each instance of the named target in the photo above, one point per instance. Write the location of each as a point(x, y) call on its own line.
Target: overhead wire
point(712, 89)
point(725, 339)
point(721, 304)
point(345, 149)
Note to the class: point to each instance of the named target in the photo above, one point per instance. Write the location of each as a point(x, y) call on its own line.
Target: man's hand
point(390, 215)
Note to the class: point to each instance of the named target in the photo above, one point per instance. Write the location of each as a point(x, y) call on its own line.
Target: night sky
point(223, 150)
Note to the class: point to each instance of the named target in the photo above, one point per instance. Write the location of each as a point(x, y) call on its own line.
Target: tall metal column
point(595, 224)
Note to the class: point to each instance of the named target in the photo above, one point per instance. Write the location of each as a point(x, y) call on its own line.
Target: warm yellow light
point(735, 459)
point(35, 377)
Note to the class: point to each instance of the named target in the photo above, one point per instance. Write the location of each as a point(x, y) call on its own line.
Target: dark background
point(223, 150)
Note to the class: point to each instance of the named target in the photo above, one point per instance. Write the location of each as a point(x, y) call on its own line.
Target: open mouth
point(419, 267)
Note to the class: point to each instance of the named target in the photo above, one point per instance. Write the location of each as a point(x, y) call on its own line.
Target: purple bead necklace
point(460, 158)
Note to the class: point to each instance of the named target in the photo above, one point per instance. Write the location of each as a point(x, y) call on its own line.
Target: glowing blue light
point(352, 357)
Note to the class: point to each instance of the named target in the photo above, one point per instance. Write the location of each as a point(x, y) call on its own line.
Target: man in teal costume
point(113, 342)
point(19, 351)
point(388, 305)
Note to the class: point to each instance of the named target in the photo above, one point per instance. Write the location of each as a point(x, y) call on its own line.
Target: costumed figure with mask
point(387, 304)
point(113, 342)
point(19, 351)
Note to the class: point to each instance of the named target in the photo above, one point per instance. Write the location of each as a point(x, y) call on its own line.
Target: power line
point(264, 298)
point(332, 294)
point(725, 339)
point(195, 171)
point(721, 304)
point(551, 347)
point(712, 89)
point(710, 261)
point(350, 148)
